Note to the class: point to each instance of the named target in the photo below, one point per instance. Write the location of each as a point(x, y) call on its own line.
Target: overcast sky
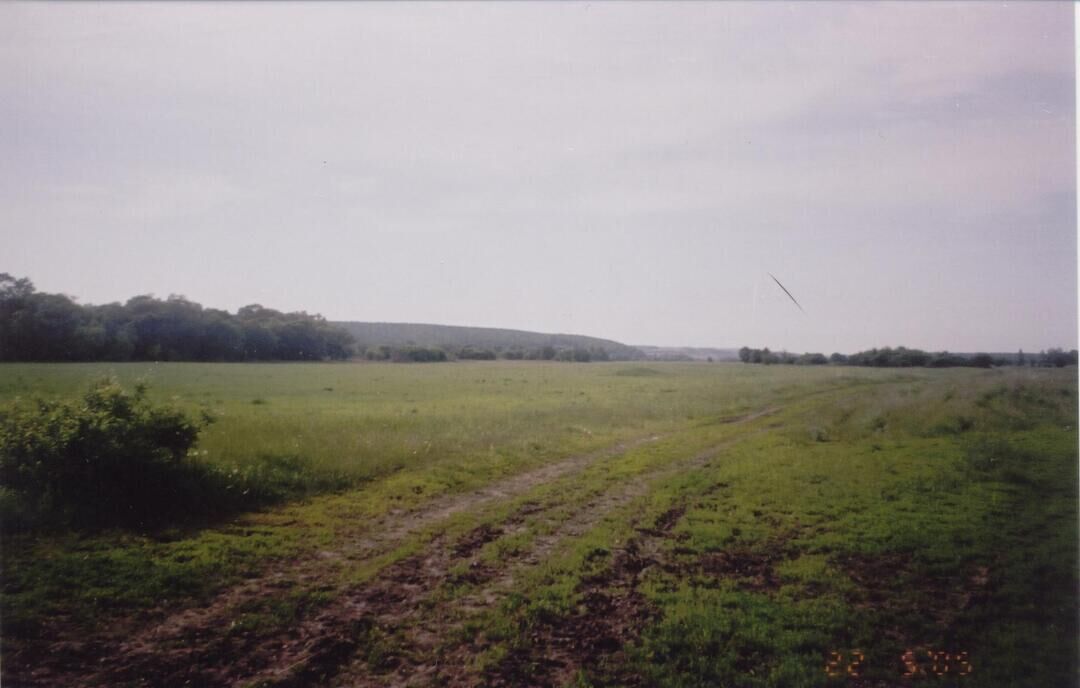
point(624, 170)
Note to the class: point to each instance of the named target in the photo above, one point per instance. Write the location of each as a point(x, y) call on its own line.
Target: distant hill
point(687, 353)
point(453, 338)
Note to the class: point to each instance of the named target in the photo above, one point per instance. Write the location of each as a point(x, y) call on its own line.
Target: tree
point(298, 340)
point(1058, 358)
point(222, 339)
point(259, 343)
point(12, 289)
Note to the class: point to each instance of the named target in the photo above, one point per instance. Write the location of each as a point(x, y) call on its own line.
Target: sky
point(626, 170)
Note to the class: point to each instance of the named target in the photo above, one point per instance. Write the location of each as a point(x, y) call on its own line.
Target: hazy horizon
point(628, 171)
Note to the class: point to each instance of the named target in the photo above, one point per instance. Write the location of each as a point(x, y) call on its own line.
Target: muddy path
point(400, 619)
point(413, 613)
point(129, 647)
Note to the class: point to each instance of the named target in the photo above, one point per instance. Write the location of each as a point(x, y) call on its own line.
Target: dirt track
point(404, 612)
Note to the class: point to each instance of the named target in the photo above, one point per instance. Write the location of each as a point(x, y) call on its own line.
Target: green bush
point(113, 458)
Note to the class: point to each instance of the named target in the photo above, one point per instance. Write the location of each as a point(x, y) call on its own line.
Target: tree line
point(902, 357)
point(37, 326)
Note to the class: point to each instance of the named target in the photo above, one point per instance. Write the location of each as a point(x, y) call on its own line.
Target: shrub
point(111, 459)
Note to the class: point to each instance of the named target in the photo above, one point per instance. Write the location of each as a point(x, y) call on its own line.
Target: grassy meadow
point(667, 524)
point(338, 424)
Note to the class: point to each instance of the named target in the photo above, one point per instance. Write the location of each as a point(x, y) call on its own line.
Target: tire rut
point(416, 626)
point(171, 650)
point(195, 647)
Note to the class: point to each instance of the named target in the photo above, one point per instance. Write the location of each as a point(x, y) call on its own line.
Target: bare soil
point(894, 584)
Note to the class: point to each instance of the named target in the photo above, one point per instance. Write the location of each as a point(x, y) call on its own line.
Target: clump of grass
point(992, 456)
point(955, 425)
point(271, 478)
point(818, 433)
point(266, 614)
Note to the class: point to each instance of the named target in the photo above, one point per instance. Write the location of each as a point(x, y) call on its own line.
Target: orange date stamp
point(913, 664)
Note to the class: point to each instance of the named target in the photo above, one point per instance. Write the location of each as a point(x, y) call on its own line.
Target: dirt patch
point(611, 614)
point(751, 570)
point(361, 621)
point(907, 599)
point(406, 609)
point(357, 624)
point(877, 576)
point(526, 509)
point(751, 567)
point(476, 538)
point(665, 522)
point(611, 609)
point(440, 658)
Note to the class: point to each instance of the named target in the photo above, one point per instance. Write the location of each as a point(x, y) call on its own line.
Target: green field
point(525, 523)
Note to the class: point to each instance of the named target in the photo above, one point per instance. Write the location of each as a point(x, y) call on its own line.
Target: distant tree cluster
point(405, 354)
point(472, 353)
point(570, 354)
point(1050, 358)
point(35, 326)
point(748, 355)
point(902, 357)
